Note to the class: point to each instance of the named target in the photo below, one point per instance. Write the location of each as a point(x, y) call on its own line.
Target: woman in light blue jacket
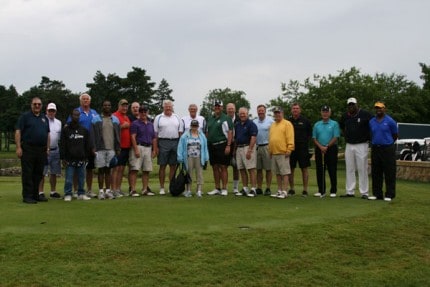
point(193, 152)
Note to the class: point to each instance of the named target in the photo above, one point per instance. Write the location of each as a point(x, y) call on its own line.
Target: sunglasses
point(37, 104)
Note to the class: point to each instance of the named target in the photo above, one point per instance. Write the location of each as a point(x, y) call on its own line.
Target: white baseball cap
point(351, 100)
point(51, 106)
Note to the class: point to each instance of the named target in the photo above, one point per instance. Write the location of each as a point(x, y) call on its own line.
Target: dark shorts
point(167, 152)
point(91, 164)
point(301, 155)
point(217, 155)
point(123, 156)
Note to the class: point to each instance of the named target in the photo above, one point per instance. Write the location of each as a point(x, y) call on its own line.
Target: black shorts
point(217, 154)
point(301, 155)
point(91, 164)
point(123, 156)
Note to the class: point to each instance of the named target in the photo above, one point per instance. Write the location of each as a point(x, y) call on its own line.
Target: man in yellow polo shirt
point(281, 144)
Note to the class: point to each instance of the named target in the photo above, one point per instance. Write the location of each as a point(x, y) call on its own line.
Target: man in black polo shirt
point(355, 127)
point(32, 147)
point(302, 135)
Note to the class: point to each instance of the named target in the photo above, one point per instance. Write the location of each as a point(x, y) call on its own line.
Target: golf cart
point(411, 149)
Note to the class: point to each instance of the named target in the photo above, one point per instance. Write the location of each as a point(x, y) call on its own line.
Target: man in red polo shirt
point(125, 142)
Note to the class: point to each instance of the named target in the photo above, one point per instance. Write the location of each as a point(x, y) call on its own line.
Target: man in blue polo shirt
point(384, 133)
point(245, 135)
point(264, 162)
point(325, 135)
point(32, 147)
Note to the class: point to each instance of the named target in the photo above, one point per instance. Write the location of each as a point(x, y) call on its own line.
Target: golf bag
point(179, 180)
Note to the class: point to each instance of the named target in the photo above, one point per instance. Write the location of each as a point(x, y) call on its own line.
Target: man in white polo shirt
point(168, 128)
point(192, 109)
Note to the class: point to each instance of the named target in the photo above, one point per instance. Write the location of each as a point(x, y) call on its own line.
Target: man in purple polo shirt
point(143, 150)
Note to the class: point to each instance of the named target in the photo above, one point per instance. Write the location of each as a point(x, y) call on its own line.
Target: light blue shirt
point(263, 130)
point(323, 132)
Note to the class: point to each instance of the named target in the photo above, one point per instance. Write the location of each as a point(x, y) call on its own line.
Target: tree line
point(406, 101)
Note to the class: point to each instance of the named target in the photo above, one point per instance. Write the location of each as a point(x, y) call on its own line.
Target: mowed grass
point(216, 241)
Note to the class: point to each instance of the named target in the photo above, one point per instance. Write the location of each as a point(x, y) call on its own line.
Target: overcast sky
point(199, 45)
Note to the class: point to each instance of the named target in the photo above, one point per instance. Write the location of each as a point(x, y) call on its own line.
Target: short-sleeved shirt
point(125, 133)
point(144, 131)
point(55, 132)
point(85, 119)
point(187, 122)
point(218, 128)
point(356, 127)
point(243, 132)
point(302, 129)
point(263, 128)
point(34, 129)
point(323, 132)
point(281, 137)
point(383, 131)
point(168, 127)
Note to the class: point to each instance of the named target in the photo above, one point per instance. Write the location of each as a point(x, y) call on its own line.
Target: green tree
point(163, 92)
point(9, 113)
point(51, 91)
point(226, 95)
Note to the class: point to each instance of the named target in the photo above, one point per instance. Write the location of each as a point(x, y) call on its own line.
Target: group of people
point(255, 149)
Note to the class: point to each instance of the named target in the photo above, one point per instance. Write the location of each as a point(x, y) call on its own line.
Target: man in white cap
point(53, 164)
point(354, 124)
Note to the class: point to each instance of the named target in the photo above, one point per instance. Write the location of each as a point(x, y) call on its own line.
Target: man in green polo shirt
point(219, 134)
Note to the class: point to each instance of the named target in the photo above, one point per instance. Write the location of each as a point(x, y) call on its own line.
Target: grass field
point(216, 241)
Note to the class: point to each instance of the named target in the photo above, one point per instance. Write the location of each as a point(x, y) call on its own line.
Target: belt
point(262, 144)
point(220, 142)
point(168, 139)
point(242, 145)
point(53, 148)
point(144, 144)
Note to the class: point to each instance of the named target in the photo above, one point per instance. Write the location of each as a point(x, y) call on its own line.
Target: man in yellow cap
point(384, 133)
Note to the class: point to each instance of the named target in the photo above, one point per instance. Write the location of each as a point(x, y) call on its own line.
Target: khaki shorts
point(242, 162)
point(103, 158)
point(263, 158)
point(281, 164)
point(144, 162)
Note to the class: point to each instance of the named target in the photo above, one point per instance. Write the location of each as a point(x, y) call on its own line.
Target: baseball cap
point(51, 106)
point(143, 108)
point(194, 123)
point(351, 100)
point(379, 105)
point(325, 108)
point(217, 103)
point(277, 110)
point(123, 102)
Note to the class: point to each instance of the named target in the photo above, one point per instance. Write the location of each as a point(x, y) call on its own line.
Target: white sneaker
point(148, 193)
point(83, 197)
point(109, 195)
point(252, 193)
point(101, 195)
point(199, 193)
point(282, 195)
point(188, 194)
point(162, 192)
point(235, 191)
point(75, 194)
point(133, 193)
point(224, 192)
point(318, 194)
point(371, 197)
point(91, 194)
point(214, 192)
point(276, 194)
point(332, 195)
point(68, 198)
point(387, 199)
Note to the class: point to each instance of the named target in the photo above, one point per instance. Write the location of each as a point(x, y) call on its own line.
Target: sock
point(235, 184)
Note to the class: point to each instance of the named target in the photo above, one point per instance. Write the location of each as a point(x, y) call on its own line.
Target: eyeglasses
point(37, 104)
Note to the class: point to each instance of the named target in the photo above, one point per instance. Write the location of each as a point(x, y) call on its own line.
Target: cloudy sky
point(200, 45)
